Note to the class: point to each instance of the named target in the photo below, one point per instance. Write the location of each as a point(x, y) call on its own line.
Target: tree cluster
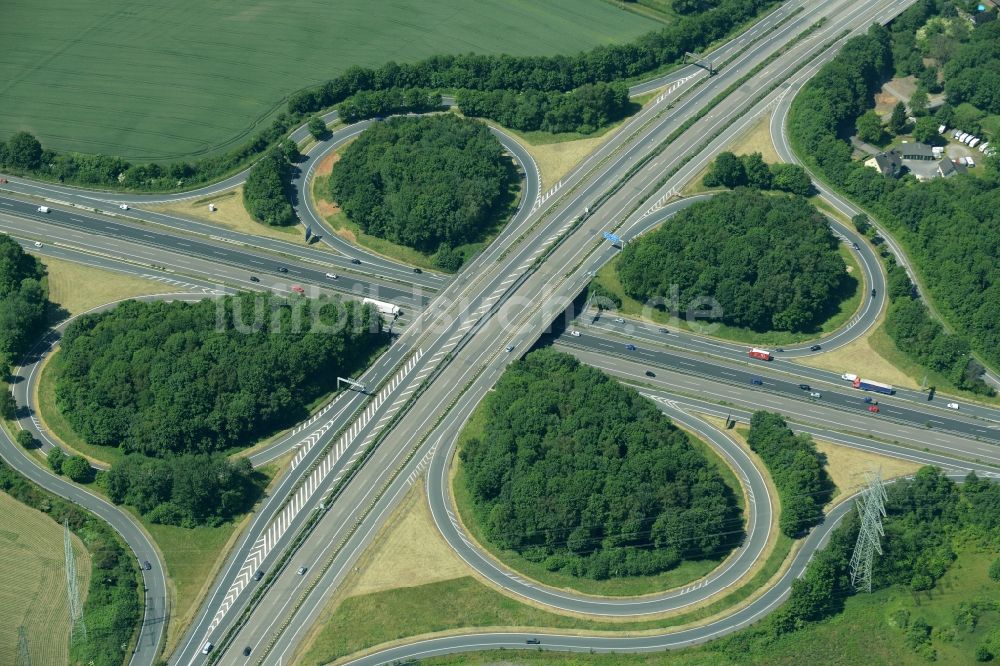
point(75, 467)
point(752, 171)
point(372, 103)
point(187, 490)
point(422, 182)
point(973, 73)
point(485, 72)
point(584, 110)
point(545, 73)
point(770, 262)
point(111, 611)
point(23, 300)
point(925, 516)
point(950, 226)
point(267, 191)
point(161, 378)
point(580, 473)
point(797, 469)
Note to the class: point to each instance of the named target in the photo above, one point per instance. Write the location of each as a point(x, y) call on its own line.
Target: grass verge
point(75, 288)
point(868, 631)
point(369, 620)
point(231, 214)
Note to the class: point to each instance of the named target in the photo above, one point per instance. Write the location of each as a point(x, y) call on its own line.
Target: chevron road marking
point(185, 285)
point(280, 524)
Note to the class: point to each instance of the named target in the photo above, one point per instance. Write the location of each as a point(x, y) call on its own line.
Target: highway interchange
point(451, 350)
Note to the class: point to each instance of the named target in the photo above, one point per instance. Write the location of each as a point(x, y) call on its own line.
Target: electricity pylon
point(75, 612)
point(871, 508)
point(23, 658)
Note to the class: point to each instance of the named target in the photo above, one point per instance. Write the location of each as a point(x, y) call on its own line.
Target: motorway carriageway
point(45, 225)
point(835, 391)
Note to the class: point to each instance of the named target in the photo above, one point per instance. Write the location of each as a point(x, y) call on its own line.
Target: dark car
point(147, 566)
point(356, 261)
point(815, 348)
point(533, 641)
point(246, 651)
point(417, 270)
point(873, 293)
point(804, 387)
point(663, 330)
point(756, 381)
point(282, 269)
point(650, 373)
point(630, 347)
point(259, 574)
point(780, 349)
point(254, 278)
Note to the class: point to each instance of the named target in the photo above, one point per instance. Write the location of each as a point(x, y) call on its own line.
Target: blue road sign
point(611, 237)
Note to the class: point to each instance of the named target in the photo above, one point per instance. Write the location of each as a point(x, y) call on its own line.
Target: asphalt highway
point(507, 297)
point(909, 407)
point(111, 235)
point(558, 279)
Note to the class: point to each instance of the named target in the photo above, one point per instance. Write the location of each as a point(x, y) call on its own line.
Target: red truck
point(761, 354)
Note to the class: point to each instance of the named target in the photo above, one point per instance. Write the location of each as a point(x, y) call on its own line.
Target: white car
point(575, 334)
point(332, 276)
point(38, 244)
point(970, 162)
point(952, 405)
point(619, 320)
point(43, 209)
point(984, 146)
point(123, 206)
point(509, 348)
point(815, 394)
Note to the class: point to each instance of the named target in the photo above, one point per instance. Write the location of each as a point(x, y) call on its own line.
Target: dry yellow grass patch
point(230, 214)
point(33, 584)
point(409, 552)
point(555, 160)
point(847, 466)
point(860, 357)
point(77, 288)
point(756, 139)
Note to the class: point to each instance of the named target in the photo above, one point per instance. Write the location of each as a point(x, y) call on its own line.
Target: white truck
point(384, 308)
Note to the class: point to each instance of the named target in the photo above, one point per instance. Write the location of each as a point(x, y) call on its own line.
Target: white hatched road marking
point(280, 524)
point(542, 198)
point(185, 285)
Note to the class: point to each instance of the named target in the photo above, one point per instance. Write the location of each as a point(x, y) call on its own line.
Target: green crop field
point(161, 80)
point(33, 584)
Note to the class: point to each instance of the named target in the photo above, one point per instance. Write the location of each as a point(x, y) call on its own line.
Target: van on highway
point(43, 209)
point(952, 405)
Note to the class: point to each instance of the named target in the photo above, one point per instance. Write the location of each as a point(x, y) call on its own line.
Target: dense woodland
point(23, 300)
point(950, 227)
point(771, 262)
point(927, 517)
point(428, 183)
point(111, 611)
point(577, 471)
point(374, 103)
point(797, 469)
point(752, 171)
point(159, 378)
point(186, 490)
point(584, 110)
point(267, 191)
point(24, 154)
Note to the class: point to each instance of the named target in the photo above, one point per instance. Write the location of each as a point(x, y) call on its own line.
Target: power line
point(871, 508)
point(23, 658)
point(75, 611)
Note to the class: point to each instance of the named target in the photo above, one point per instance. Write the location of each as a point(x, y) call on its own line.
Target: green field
point(33, 584)
point(158, 81)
